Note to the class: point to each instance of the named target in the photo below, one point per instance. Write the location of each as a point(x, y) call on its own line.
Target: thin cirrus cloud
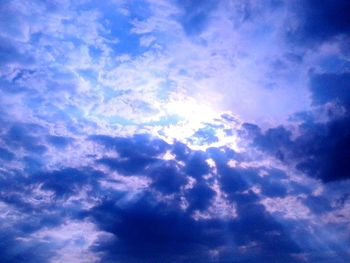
point(174, 131)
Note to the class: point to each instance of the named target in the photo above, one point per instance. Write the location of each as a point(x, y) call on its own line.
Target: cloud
point(171, 131)
point(14, 250)
point(67, 182)
point(196, 164)
point(167, 176)
point(330, 87)
point(319, 22)
point(18, 136)
point(320, 148)
point(199, 196)
point(151, 232)
point(144, 230)
point(172, 218)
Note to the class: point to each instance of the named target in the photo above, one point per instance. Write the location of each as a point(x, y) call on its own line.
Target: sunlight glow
point(194, 116)
point(191, 111)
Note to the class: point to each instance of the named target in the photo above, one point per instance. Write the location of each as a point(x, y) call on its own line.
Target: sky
point(174, 131)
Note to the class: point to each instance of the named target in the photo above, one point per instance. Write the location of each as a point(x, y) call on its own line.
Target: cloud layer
point(172, 131)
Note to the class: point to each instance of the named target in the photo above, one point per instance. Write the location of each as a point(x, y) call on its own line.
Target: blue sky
point(174, 131)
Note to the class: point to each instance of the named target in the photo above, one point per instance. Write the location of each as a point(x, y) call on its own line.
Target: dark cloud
point(68, 181)
point(180, 150)
point(28, 211)
point(221, 155)
point(199, 196)
point(322, 148)
point(167, 176)
point(140, 155)
point(235, 180)
point(274, 183)
point(13, 250)
point(196, 165)
point(137, 145)
point(15, 193)
point(26, 136)
point(60, 184)
point(331, 87)
point(152, 231)
point(276, 141)
point(135, 153)
point(321, 20)
point(270, 239)
point(249, 130)
point(149, 227)
point(325, 148)
point(148, 231)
